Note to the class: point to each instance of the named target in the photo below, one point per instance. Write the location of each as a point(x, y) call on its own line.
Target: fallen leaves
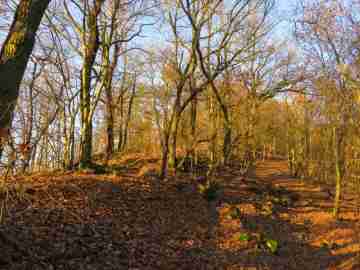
point(122, 221)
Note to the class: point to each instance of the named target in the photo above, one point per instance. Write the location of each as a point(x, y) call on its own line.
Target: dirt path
point(120, 221)
point(296, 214)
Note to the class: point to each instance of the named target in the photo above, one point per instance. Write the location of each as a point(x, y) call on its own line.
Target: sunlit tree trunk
point(339, 168)
point(15, 54)
point(129, 115)
point(174, 161)
point(213, 128)
point(91, 45)
point(109, 71)
point(86, 122)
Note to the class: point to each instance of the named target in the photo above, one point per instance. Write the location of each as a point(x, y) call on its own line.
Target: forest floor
point(122, 220)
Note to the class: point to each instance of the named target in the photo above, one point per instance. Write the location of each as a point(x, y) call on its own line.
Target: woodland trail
point(295, 213)
point(121, 221)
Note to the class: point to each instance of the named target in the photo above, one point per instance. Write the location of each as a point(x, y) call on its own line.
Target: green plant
point(244, 237)
point(209, 190)
point(266, 243)
point(272, 245)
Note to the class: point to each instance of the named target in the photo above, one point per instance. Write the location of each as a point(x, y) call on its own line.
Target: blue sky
point(283, 10)
point(283, 31)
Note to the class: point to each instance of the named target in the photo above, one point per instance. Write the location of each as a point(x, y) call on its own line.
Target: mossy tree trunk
point(15, 54)
point(109, 72)
point(85, 111)
point(109, 65)
point(91, 45)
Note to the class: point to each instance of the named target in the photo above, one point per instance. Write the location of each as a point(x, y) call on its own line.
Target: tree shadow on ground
point(107, 222)
point(123, 222)
point(296, 250)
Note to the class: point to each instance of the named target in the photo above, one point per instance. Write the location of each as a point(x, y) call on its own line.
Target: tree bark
point(193, 121)
point(338, 146)
point(91, 44)
point(121, 123)
point(174, 161)
point(30, 120)
point(129, 114)
point(165, 157)
point(109, 67)
point(15, 54)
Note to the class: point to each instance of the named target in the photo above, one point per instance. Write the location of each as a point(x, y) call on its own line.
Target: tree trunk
point(46, 150)
point(128, 117)
point(227, 125)
point(251, 140)
point(109, 125)
point(213, 129)
point(227, 142)
point(193, 120)
point(165, 157)
point(72, 143)
point(121, 124)
point(339, 170)
point(91, 44)
point(66, 138)
point(16, 52)
point(29, 129)
point(109, 72)
point(86, 122)
point(109, 117)
point(174, 162)
point(33, 158)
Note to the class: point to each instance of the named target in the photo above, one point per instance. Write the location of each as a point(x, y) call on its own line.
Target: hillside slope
point(123, 219)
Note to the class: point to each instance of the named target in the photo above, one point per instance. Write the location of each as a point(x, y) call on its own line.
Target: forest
point(183, 134)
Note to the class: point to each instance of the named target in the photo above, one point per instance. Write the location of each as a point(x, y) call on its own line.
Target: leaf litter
point(127, 219)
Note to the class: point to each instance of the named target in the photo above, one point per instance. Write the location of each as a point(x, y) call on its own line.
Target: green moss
point(15, 40)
